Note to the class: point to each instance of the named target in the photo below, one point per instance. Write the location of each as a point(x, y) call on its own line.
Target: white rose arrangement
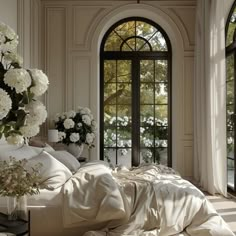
point(76, 127)
point(21, 113)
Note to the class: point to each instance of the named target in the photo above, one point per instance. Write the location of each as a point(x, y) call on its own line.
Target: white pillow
point(19, 153)
point(46, 148)
point(67, 159)
point(54, 173)
point(96, 165)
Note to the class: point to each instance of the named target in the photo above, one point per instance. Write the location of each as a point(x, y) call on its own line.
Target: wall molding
point(20, 26)
point(94, 12)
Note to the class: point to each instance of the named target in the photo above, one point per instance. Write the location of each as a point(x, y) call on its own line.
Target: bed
point(96, 200)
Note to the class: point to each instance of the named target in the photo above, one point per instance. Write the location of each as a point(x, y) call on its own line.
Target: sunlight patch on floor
point(226, 207)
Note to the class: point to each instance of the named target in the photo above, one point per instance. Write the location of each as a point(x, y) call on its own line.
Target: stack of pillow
point(57, 166)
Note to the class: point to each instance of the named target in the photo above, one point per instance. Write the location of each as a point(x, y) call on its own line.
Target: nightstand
point(17, 227)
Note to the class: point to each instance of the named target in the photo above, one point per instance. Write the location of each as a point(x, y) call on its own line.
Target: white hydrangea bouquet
point(21, 113)
point(76, 127)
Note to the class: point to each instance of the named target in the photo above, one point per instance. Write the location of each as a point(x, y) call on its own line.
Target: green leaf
point(1, 128)
point(25, 98)
point(21, 115)
point(7, 129)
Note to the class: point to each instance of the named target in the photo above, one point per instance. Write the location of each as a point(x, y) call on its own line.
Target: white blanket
point(149, 200)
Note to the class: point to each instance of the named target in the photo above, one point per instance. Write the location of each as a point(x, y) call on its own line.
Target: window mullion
point(135, 112)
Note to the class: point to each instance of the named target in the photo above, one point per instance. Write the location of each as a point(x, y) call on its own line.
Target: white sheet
point(46, 198)
point(137, 202)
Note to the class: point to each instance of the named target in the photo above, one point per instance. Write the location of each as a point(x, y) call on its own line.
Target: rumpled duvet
point(150, 200)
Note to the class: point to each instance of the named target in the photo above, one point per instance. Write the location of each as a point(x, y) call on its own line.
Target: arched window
point(230, 99)
point(135, 89)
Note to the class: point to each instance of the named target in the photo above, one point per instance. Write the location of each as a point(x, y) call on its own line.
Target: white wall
point(228, 4)
point(8, 13)
point(71, 33)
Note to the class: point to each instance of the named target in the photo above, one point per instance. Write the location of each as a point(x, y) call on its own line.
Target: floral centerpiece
point(16, 181)
point(21, 113)
point(76, 127)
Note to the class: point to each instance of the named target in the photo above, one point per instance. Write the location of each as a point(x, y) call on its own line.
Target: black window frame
point(231, 50)
point(136, 56)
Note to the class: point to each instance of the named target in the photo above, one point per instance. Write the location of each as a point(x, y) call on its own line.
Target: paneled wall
point(8, 13)
point(70, 36)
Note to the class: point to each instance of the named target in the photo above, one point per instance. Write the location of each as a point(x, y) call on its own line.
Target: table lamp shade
point(53, 135)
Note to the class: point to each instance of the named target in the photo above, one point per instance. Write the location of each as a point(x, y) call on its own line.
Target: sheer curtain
point(210, 98)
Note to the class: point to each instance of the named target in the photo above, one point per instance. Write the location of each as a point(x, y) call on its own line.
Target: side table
point(17, 227)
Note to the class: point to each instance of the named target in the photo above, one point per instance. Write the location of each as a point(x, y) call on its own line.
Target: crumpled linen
point(145, 201)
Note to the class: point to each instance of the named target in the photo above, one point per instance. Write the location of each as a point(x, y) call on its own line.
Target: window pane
point(146, 136)
point(146, 93)
point(161, 133)
point(145, 30)
point(158, 42)
point(161, 142)
point(161, 156)
point(124, 111)
point(154, 155)
point(146, 155)
point(110, 137)
point(160, 70)
point(142, 45)
point(161, 96)
point(161, 113)
point(231, 28)
point(124, 137)
point(129, 45)
point(230, 144)
point(110, 155)
point(146, 111)
point(126, 29)
point(110, 93)
point(113, 42)
point(147, 71)
point(110, 115)
point(231, 172)
point(230, 92)
point(123, 93)
point(124, 157)
point(110, 71)
point(230, 67)
point(230, 120)
point(126, 47)
point(124, 71)
point(124, 121)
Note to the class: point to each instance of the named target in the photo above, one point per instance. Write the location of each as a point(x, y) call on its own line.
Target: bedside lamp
point(52, 135)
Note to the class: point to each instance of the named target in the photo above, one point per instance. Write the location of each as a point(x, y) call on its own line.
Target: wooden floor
point(226, 207)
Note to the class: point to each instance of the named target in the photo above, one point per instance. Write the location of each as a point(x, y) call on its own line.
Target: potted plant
point(16, 182)
point(76, 129)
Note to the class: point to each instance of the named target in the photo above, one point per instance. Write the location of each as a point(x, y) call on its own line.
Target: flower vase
point(17, 208)
point(75, 150)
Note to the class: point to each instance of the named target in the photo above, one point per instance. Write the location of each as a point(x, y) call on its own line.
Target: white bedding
point(46, 198)
point(149, 200)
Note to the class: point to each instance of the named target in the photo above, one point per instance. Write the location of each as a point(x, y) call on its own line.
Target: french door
point(135, 109)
